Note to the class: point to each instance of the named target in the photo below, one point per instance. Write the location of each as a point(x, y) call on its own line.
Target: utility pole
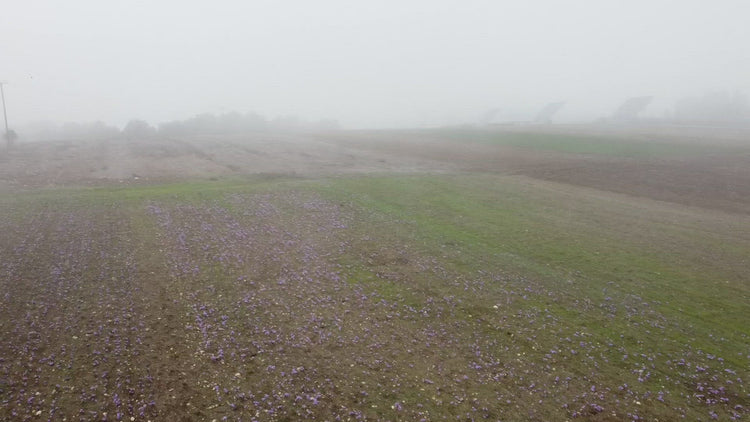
point(5, 114)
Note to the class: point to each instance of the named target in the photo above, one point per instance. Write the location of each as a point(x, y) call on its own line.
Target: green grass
point(578, 246)
point(583, 144)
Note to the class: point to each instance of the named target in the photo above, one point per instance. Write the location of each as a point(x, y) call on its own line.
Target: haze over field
point(366, 64)
point(375, 211)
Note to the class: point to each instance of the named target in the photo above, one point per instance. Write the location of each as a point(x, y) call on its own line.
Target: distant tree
point(236, 123)
point(209, 124)
point(138, 129)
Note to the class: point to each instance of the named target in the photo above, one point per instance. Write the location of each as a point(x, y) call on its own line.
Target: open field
point(431, 275)
point(676, 166)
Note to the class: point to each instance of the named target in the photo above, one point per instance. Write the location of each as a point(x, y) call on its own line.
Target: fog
point(367, 65)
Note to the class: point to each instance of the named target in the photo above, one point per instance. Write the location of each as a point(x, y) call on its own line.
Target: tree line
point(231, 123)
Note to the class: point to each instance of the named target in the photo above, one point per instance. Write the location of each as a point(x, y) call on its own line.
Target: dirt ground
point(716, 181)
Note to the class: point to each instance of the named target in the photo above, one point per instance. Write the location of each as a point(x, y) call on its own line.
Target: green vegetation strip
point(584, 143)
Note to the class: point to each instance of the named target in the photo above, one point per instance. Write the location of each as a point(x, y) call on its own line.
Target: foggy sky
point(366, 63)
